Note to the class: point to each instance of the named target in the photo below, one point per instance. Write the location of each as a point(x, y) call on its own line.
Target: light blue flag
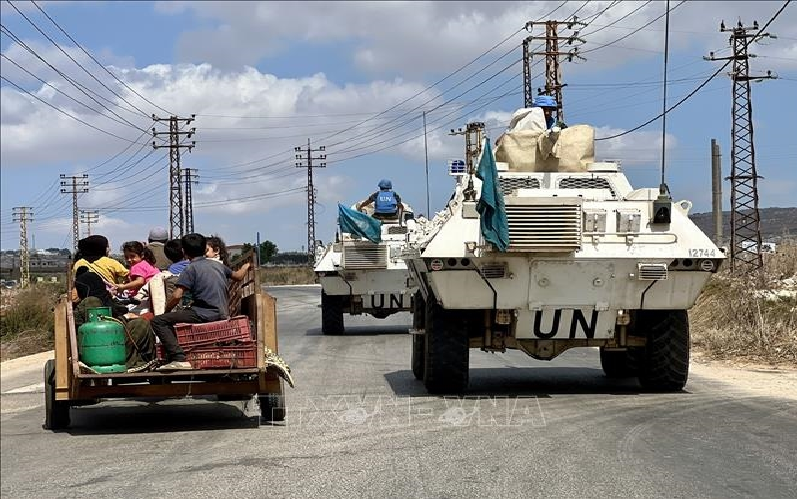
point(360, 224)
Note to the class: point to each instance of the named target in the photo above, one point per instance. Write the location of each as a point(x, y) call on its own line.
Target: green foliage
point(29, 310)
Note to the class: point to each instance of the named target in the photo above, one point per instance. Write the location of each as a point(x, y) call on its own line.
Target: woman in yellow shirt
point(93, 252)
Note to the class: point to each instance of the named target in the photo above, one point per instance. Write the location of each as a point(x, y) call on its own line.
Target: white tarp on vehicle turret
point(533, 150)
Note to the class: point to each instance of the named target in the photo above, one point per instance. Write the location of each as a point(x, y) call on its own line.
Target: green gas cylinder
point(101, 342)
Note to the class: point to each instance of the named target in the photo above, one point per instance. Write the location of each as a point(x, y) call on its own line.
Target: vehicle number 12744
point(702, 252)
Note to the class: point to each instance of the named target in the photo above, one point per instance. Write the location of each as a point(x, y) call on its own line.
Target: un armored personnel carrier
point(590, 261)
point(358, 276)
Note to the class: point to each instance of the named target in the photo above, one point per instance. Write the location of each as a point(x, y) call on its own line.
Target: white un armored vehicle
point(358, 276)
point(590, 262)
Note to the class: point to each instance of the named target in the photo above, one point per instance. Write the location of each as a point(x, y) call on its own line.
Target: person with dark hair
point(156, 241)
point(174, 252)
point(93, 251)
point(206, 280)
point(142, 266)
point(139, 339)
point(217, 250)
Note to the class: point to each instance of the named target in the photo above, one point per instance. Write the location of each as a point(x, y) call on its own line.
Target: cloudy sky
point(355, 77)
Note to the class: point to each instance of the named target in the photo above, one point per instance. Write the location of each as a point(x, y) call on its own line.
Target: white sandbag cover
point(528, 118)
point(569, 150)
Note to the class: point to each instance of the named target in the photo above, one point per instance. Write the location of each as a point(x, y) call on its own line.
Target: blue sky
point(264, 77)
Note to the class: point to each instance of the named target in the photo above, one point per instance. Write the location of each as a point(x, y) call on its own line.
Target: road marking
point(37, 388)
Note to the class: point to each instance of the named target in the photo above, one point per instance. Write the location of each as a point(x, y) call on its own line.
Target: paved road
point(359, 425)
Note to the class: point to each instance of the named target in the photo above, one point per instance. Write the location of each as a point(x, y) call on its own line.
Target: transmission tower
point(189, 177)
point(74, 184)
point(552, 54)
point(23, 215)
point(89, 217)
point(305, 159)
point(745, 218)
point(176, 212)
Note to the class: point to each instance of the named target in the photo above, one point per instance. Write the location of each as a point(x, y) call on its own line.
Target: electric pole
point(474, 134)
point(176, 213)
point(552, 54)
point(745, 218)
point(23, 215)
point(716, 191)
point(89, 217)
point(75, 184)
point(306, 159)
point(189, 177)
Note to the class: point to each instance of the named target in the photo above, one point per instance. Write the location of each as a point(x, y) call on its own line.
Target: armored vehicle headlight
point(707, 265)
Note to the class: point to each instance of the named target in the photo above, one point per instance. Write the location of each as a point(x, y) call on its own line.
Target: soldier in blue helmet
point(548, 105)
point(387, 204)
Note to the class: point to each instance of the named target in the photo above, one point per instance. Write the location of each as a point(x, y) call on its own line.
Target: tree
point(268, 250)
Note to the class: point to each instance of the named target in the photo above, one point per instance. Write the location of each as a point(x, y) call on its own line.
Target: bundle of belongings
point(528, 145)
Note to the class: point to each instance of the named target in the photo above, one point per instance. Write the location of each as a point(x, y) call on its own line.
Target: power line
point(106, 132)
point(94, 59)
point(74, 60)
point(82, 88)
point(696, 90)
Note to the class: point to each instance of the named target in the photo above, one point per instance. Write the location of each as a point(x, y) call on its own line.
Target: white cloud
point(395, 37)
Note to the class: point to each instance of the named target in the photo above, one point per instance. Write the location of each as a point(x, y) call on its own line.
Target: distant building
point(44, 267)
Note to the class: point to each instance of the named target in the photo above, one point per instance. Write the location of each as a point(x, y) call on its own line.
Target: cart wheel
point(272, 406)
point(56, 411)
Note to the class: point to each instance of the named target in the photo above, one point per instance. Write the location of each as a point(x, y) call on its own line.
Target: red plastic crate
point(208, 333)
point(222, 357)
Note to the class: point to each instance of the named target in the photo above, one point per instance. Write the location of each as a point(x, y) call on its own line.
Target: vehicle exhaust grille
point(544, 227)
point(364, 256)
point(509, 184)
point(493, 270)
point(652, 271)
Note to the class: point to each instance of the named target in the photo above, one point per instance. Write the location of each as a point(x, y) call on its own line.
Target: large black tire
point(331, 314)
point(620, 364)
point(664, 366)
point(418, 340)
point(446, 366)
point(56, 416)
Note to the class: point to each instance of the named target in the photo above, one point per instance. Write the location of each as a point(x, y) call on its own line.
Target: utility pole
point(716, 191)
point(426, 155)
point(745, 218)
point(189, 177)
point(23, 215)
point(306, 159)
point(75, 184)
point(474, 134)
point(176, 213)
point(552, 54)
point(89, 217)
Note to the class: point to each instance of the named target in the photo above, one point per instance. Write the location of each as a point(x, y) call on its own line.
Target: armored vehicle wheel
point(331, 314)
point(446, 367)
point(620, 364)
point(56, 416)
point(418, 340)
point(665, 361)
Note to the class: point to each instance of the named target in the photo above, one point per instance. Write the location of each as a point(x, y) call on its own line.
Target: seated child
point(142, 267)
point(174, 252)
point(217, 250)
point(206, 280)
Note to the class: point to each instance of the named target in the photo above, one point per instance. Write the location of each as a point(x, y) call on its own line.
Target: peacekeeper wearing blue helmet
point(548, 105)
point(387, 204)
